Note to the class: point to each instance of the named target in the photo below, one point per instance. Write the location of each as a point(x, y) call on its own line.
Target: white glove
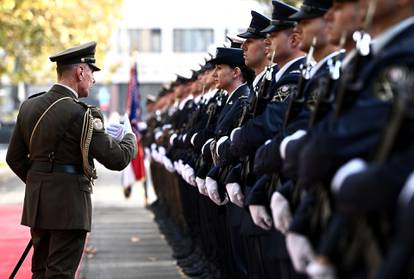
point(180, 166)
point(280, 212)
point(116, 131)
point(162, 150)
point(300, 251)
point(175, 164)
point(127, 125)
point(235, 194)
point(260, 216)
point(283, 145)
point(352, 167)
point(212, 190)
point(318, 270)
point(201, 185)
point(154, 155)
point(167, 164)
point(188, 175)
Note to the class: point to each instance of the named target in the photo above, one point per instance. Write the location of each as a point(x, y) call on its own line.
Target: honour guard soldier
point(52, 149)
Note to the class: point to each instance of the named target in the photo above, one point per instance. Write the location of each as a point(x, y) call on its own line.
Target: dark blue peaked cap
point(258, 23)
point(84, 53)
point(228, 56)
point(280, 17)
point(312, 9)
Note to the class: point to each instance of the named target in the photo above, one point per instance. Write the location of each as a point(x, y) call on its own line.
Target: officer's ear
point(79, 72)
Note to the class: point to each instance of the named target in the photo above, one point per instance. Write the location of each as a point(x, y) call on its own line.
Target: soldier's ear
point(294, 40)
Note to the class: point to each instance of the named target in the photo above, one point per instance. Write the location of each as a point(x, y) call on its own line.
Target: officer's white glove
point(167, 164)
point(300, 251)
point(127, 125)
point(212, 190)
point(201, 185)
point(116, 131)
point(235, 194)
point(282, 217)
point(352, 167)
point(260, 216)
point(188, 175)
point(318, 270)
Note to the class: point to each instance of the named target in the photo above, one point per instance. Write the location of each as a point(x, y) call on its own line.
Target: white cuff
point(206, 143)
point(283, 145)
point(193, 138)
point(352, 167)
point(172, 138)
point(219, 142)
point(408, 191)
point(234, 131)
point(157, 135)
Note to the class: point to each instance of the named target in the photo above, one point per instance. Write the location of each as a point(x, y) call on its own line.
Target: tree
point(32, 30)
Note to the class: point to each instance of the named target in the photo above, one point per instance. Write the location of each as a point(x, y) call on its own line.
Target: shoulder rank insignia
point(283, 92)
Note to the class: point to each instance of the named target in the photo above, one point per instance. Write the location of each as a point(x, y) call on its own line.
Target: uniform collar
point(280, 73)
point(184, 101)
point(258, 77)
point(318, 65)
point(232, 93)
point(379, 42)
point(70, 89)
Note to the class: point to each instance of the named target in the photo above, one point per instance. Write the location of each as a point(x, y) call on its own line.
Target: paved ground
point(127, 241)
point(124, 243)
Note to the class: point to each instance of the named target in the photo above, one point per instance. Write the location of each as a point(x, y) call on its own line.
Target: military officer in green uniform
point(52, 149)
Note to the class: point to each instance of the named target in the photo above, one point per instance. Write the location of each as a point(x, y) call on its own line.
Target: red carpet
point(13, 241)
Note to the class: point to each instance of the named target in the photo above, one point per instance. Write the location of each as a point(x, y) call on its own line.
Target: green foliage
point(32, 30)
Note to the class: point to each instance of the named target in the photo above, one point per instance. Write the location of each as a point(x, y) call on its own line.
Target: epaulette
point(84, 105)
point(36, 94)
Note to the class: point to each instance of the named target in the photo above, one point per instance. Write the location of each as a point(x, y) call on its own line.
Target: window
point(144, 40)
point(193, 40)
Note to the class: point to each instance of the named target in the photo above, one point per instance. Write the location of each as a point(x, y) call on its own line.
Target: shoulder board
point(86, 106)
point(37, 94)
point(294, 72)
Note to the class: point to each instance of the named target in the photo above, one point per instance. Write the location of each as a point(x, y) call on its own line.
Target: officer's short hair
point(60, 69)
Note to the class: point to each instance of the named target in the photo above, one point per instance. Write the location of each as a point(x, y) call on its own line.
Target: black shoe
point(127, 191)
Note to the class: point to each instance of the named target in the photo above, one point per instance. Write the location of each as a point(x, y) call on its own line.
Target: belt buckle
point(52, 161)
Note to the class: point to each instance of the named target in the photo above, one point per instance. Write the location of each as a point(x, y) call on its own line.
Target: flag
point(135, 170)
